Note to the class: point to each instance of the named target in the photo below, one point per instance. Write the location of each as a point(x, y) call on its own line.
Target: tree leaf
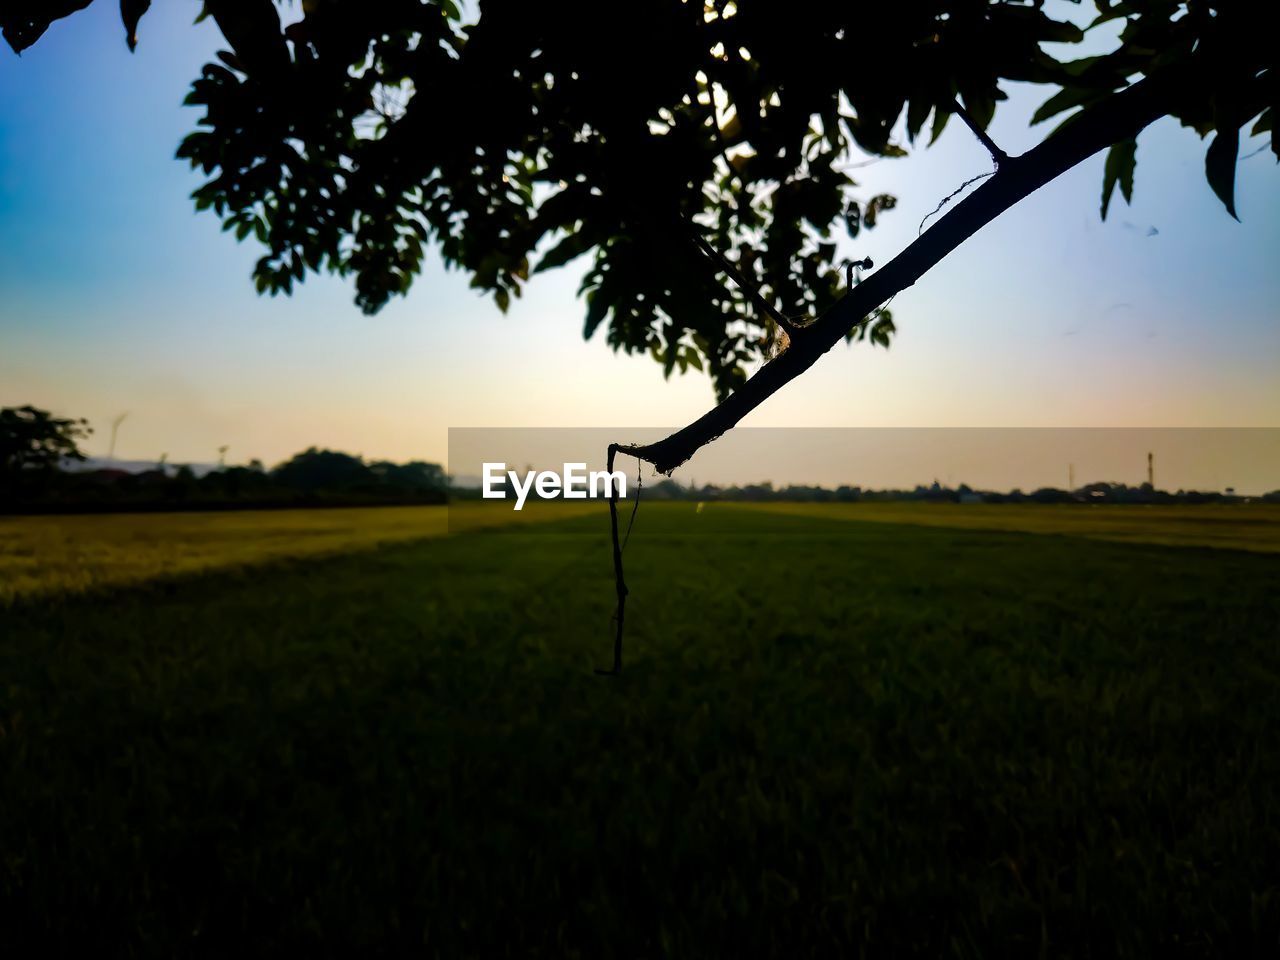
point(1060, 31)
point(597, 309)
point(882, 330)
point(940, 118)
point(1065, 99)
point(1220, 167)
point(1121, 159)
point(852, 219)
point(567, 249)
point(875, 206)
point(25, 23)
point(131, 12)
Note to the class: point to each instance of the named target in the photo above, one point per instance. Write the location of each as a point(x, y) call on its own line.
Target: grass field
point(1229, 526)
point(60, 555)
point(832, 737)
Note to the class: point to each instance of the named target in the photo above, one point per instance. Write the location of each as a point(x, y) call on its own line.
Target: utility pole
point(1151, 470)
point(1071, 477)
point(115, 427)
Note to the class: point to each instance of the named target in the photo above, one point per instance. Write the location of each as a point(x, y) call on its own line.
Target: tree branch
point(753, 293)
point(1118, 118)
point(1121, 117)
point(998, 155)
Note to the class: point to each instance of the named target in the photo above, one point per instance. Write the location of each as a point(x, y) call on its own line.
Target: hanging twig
point(620, 583)
point(635, 506)
point(850, 280)
point(951, 196)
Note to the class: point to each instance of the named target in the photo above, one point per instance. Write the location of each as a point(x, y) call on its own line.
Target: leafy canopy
point(351, 137)
point(34, 439)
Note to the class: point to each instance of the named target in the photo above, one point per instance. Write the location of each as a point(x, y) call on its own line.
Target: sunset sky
point(116, 296)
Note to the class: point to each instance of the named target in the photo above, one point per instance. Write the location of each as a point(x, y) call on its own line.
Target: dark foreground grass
point(830, 738)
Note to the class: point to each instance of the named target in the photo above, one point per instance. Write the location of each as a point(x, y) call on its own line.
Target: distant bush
point(312, 478)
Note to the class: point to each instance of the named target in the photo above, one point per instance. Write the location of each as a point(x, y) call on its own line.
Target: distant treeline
point(37, 449)
point(313, 478)
point(1091, 493)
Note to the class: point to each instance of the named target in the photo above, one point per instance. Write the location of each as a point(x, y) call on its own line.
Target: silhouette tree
point(315, 469)
point(414, 476)
point(352, 136)
point(35, 441)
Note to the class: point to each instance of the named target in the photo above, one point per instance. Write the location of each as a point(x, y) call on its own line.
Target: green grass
point(1229, 526)
point(830, 738)
point(87, 553)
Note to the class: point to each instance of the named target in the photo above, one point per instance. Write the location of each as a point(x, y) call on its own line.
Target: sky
point(116, 296)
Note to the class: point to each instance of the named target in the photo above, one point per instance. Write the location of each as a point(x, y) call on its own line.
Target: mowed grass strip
point(1226, 526)
point(829, 739)
point(45, 555)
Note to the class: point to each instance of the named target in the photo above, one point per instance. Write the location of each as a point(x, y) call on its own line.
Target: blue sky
point(115, 295)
